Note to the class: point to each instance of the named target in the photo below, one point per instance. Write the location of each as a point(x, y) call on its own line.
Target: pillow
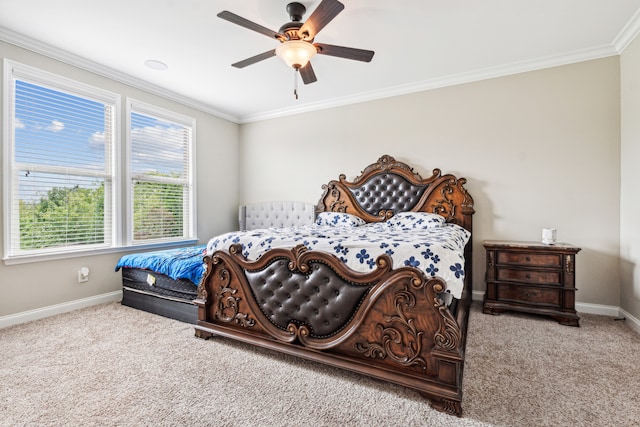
point(339, 219)
point(416, 220)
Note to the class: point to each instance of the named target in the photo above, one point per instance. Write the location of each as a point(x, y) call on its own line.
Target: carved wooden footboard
point(390, 323)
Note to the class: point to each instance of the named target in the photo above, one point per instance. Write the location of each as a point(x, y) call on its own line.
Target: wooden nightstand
point(531, 277)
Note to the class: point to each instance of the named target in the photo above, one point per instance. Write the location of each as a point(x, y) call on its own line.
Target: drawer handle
point(528, 276)
point(528, 258)
point(529, 294)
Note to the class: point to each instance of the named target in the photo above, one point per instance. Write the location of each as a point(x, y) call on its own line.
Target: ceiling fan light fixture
point(296, 53)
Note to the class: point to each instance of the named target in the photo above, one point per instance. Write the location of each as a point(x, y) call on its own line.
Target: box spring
point(159, 294)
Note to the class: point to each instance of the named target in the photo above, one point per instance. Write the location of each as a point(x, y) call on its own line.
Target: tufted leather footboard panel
point(320, 299)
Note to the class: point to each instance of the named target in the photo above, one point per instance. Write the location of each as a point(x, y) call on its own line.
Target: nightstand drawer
point(530, 259)
point(529, 295)
point(530, 276)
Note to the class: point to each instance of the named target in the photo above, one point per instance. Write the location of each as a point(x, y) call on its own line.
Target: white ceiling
point(418, 44)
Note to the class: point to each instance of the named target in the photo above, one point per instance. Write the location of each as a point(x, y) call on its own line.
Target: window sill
point(24, 259)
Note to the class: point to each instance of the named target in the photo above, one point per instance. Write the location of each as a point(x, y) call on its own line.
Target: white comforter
point(438, 249)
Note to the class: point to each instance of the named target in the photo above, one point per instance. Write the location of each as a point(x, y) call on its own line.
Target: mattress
point(417, 239)
point(163, 282)
point(177, 263)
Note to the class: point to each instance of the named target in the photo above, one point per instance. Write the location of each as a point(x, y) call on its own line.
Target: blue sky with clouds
point(53, 128)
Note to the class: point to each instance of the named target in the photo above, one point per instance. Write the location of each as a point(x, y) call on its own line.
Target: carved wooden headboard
point(388, 186)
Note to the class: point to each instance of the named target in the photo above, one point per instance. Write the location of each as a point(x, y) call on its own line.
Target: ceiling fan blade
point(344, 52)
point(307, 74)
point(255, 59)
point(243, 22)
point(324, 13)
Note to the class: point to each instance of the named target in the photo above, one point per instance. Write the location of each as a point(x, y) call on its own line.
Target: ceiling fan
point(296, 38)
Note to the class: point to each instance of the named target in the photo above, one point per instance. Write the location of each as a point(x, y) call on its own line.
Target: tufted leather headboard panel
point(387, 192)
point(275, 214)
point(320, 299)
point(389, 186)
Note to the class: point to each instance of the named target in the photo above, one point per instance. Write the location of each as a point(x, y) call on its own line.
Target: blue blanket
point(178, 263)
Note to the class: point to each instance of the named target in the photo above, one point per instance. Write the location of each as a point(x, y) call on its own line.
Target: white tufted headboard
point(275, 214)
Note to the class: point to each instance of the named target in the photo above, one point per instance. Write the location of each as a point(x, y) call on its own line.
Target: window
point(161, 190)
point(66, 189)
point(58, 164)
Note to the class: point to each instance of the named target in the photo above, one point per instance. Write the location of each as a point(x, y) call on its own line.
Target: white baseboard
point(603, 310)
point(477, 295)
point(581, 307)
point(40, 313)
point(632, 322)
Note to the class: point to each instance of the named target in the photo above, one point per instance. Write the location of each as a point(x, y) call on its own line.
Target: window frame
point(120, 174)
point(139, 107)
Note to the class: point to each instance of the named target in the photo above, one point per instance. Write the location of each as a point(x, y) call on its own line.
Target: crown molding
point(452, 80)
point(628, 33)
point(58, 54)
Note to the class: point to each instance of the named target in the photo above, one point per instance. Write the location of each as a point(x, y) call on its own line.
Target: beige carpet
point(111, 365)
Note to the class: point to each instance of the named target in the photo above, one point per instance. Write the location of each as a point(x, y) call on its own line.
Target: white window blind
point(59, 164)
point(161, 188)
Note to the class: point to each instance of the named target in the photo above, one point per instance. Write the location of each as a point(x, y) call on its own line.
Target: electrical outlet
point(83, 275)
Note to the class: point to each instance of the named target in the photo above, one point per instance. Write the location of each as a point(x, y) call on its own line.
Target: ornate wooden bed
point(390, 323)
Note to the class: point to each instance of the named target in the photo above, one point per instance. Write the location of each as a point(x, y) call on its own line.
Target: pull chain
point(295, 82)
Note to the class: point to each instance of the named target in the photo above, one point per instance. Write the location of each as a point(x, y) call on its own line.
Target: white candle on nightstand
point(548, 236)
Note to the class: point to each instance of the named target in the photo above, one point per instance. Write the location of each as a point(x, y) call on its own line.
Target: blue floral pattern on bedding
point(416, 220)
point(338, 219)
point(437, 250)
point(177, 263)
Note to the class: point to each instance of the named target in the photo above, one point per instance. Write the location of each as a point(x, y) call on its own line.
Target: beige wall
point(539, 149)
point(630, 179)
point(31, 286)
